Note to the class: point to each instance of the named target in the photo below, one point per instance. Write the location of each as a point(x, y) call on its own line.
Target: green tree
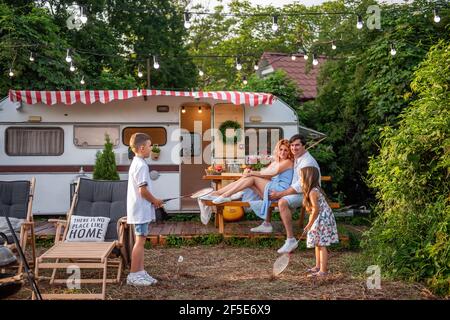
point(105, 163)
point(411, 234)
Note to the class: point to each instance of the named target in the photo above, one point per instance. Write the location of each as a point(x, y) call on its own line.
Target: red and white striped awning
point(105, 96)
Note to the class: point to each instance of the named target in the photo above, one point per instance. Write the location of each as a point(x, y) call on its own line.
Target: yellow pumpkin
point(232, 213)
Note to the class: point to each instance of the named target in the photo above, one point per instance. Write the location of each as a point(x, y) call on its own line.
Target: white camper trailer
point(51, 135)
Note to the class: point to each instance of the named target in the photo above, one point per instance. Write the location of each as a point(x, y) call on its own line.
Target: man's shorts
point(141, 229)
point(294, 200)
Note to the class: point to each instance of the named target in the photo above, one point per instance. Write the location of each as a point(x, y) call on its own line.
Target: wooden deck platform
point(188, 229)
point(46, 230)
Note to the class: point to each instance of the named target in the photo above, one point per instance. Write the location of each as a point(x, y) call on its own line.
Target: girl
point(321, 227)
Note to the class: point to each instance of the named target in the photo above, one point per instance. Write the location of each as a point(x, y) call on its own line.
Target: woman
point(276, 177)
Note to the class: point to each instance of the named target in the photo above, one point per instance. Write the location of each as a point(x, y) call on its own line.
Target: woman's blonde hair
point(283, 142)
point(310, 178)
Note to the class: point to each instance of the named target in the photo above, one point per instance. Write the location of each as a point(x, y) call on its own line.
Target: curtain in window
point(34, 141)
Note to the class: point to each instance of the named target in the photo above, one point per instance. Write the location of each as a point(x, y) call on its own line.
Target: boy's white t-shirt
point(139, 210)
point(306, 160)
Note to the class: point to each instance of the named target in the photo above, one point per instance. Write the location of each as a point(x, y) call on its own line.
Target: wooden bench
point(220, 223)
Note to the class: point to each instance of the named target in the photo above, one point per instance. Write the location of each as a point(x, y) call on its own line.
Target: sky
point(278, 3)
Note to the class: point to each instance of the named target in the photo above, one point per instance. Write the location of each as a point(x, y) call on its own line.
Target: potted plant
point(105, 167)
point(155, 152)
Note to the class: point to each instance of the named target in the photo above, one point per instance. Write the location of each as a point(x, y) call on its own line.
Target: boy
point(140, 207)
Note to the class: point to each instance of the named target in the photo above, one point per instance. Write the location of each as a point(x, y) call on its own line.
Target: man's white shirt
point(306, 160)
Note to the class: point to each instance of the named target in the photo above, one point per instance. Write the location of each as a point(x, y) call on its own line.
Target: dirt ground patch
point(225, 272)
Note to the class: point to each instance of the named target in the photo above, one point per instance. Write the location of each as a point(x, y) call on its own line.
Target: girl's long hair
point(310, 178)
point(282, 142)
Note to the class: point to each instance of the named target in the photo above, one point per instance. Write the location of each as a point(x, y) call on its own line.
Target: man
point(291, 198)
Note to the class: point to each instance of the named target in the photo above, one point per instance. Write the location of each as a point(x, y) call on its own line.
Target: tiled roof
point(305, 76)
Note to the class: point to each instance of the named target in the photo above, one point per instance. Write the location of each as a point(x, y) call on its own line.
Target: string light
point(82, 80)
point(187, 23)
point(11, 73)
point(393, 51)
point(68, 57)
point(359, 24)
point(333, 45)
point(183, 110)
point(83, 18)
point(238, 64)
point(31, 57)
point(274, 23)
point(436, 16)
point(199, 109)
point(201, 73)
point(72, 67)
point(244, 80)
point(315, 61)
point(305, 56)
point(155, 63)
point(256, 66)
point(140, 74)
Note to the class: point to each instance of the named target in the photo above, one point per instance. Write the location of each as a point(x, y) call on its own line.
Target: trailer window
point(158, 134)
point(32, 141)
point(261, 140)
point(94, 136)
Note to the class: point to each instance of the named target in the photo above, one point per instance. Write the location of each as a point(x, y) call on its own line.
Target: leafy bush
point(105, 163)
point(410, 236)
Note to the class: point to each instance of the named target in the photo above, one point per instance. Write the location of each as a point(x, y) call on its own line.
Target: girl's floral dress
point(323, 232)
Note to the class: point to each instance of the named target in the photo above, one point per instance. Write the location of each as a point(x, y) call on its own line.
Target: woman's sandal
point(313, 270)
point(318, 274)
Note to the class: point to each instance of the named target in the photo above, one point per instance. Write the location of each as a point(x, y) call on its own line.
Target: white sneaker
point(263, 228)
point(237, 195)
point(150, 278)
point(138, 279)
point(221, 199)
point(208, 197)
point(288, 246)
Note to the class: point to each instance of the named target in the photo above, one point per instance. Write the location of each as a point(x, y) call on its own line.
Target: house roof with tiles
point(299, 70)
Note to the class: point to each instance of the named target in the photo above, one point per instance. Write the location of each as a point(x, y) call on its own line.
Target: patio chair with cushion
point(16, 201)
point(93, 237)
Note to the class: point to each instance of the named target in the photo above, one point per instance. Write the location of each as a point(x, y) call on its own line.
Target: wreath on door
point(230, 124)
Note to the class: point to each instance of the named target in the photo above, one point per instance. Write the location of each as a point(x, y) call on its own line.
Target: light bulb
point(256, 67)
point(274, 23)
point(293, 57)
point(68, 57)
point(183, 110)
point(359, 24)
point(315, 61)
point(201, 73)
point(187, 23)
point(82, 80)
point(199, 109)
point(238, 66)
point(333, 46)
point(436, 16)
point(72, 67)
point(155, 63)
point(83, 18)
point(140, 74)
point(244, 81)
point(305, 56)
point(393, 51)
point(31, 57)
point(11, 73)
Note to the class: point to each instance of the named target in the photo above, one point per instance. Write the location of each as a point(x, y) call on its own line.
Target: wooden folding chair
point(16, 201)
point(91, 198)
